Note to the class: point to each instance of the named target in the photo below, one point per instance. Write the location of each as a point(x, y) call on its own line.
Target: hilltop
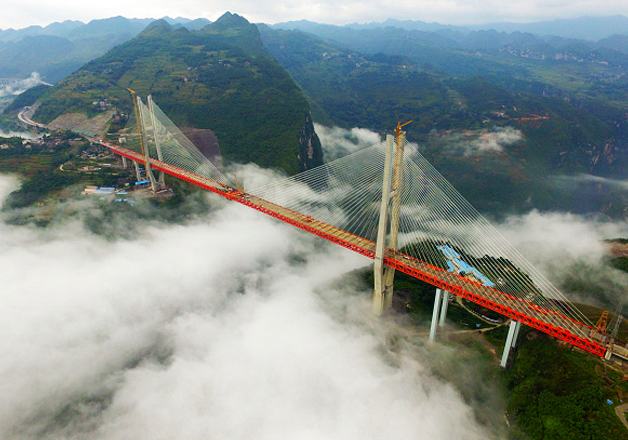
point(219, 77)
point(515, 120)
point(59, 49)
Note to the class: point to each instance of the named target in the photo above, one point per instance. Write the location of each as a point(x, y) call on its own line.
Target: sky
point(18, 14)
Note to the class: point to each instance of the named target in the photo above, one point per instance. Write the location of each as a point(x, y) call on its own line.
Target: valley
point(521, 124)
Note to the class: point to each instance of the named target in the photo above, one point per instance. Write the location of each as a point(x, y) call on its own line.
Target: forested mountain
point(59, 49)
point(219, 78)
point(584, 28)
point(502, 141)
point(516, 111)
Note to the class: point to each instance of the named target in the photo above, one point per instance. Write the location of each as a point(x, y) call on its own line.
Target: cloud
point(338, 142)
point(589, 178)
point(469, 142)
point(20, 86)
point(494, 141)
point(8, 184)
point(570, 250)
point(227, 325)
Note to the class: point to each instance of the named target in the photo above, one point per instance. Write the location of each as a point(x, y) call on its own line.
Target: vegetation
point(37, 187)
point(556, 393)
point(38, 164)
point(27, 98)
point(375, 84)
point(219, 77)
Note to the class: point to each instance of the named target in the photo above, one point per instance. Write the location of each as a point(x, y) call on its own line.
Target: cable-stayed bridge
point(432, 233)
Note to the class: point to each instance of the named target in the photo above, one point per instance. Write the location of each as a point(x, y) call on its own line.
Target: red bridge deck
point(542, 319)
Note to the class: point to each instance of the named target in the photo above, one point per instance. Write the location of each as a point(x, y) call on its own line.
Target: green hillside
point(455, 117)
point(219, 77)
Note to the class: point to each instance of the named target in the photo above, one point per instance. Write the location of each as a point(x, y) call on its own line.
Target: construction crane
point(600, 327)
point(399, 125)
point(616, 323)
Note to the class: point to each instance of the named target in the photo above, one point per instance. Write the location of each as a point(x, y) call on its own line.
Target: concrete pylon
point(151, 108)
point(149, 169)
point(384, 276)
point(379, 292)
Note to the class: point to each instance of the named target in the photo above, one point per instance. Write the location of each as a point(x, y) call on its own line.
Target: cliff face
point(310, 151)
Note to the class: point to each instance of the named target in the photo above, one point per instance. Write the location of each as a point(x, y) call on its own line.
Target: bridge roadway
point(542, 319)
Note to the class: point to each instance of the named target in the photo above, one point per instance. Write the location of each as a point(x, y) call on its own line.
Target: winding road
point(25, 117)
point(621, 413)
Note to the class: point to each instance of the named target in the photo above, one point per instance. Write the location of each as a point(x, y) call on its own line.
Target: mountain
point(58, 29)
point(31, 53)
point(497, 138)
point(523, 62)
point(59, 49)
point(410, 25)
point(219, 78)
point(585, 28)
point(110, 26)
point(615, 42)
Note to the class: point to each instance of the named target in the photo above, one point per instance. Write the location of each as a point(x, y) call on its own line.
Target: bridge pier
point(138, 176)
point(443, 309)
point(124, 162)
point(511, 341)
point(439, 314)
point(437, 305)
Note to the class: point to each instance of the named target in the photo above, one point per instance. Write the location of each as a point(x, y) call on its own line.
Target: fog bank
point(227, 326)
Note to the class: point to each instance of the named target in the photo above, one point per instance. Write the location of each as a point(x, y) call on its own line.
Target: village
point(83, 163)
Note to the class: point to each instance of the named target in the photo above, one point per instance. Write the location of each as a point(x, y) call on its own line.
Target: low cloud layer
point(570, 250)
point(589, 178)
point(494, 141)
point(227, 326)
point(338, 142)
point(470, 142)
point(20, 86)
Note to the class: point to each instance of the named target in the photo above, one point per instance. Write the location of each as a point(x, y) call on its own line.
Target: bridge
point(432, 233)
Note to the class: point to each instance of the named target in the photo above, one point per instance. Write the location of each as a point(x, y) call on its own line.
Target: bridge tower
point(151, 108)
point(139, 116)
point(384, 275)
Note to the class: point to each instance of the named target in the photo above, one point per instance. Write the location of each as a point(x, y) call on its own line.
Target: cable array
point(346, 193)
point(436, 224)
point(166, 143)
point(436, 213)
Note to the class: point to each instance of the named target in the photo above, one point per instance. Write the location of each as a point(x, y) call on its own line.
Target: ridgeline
point(219, 78)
